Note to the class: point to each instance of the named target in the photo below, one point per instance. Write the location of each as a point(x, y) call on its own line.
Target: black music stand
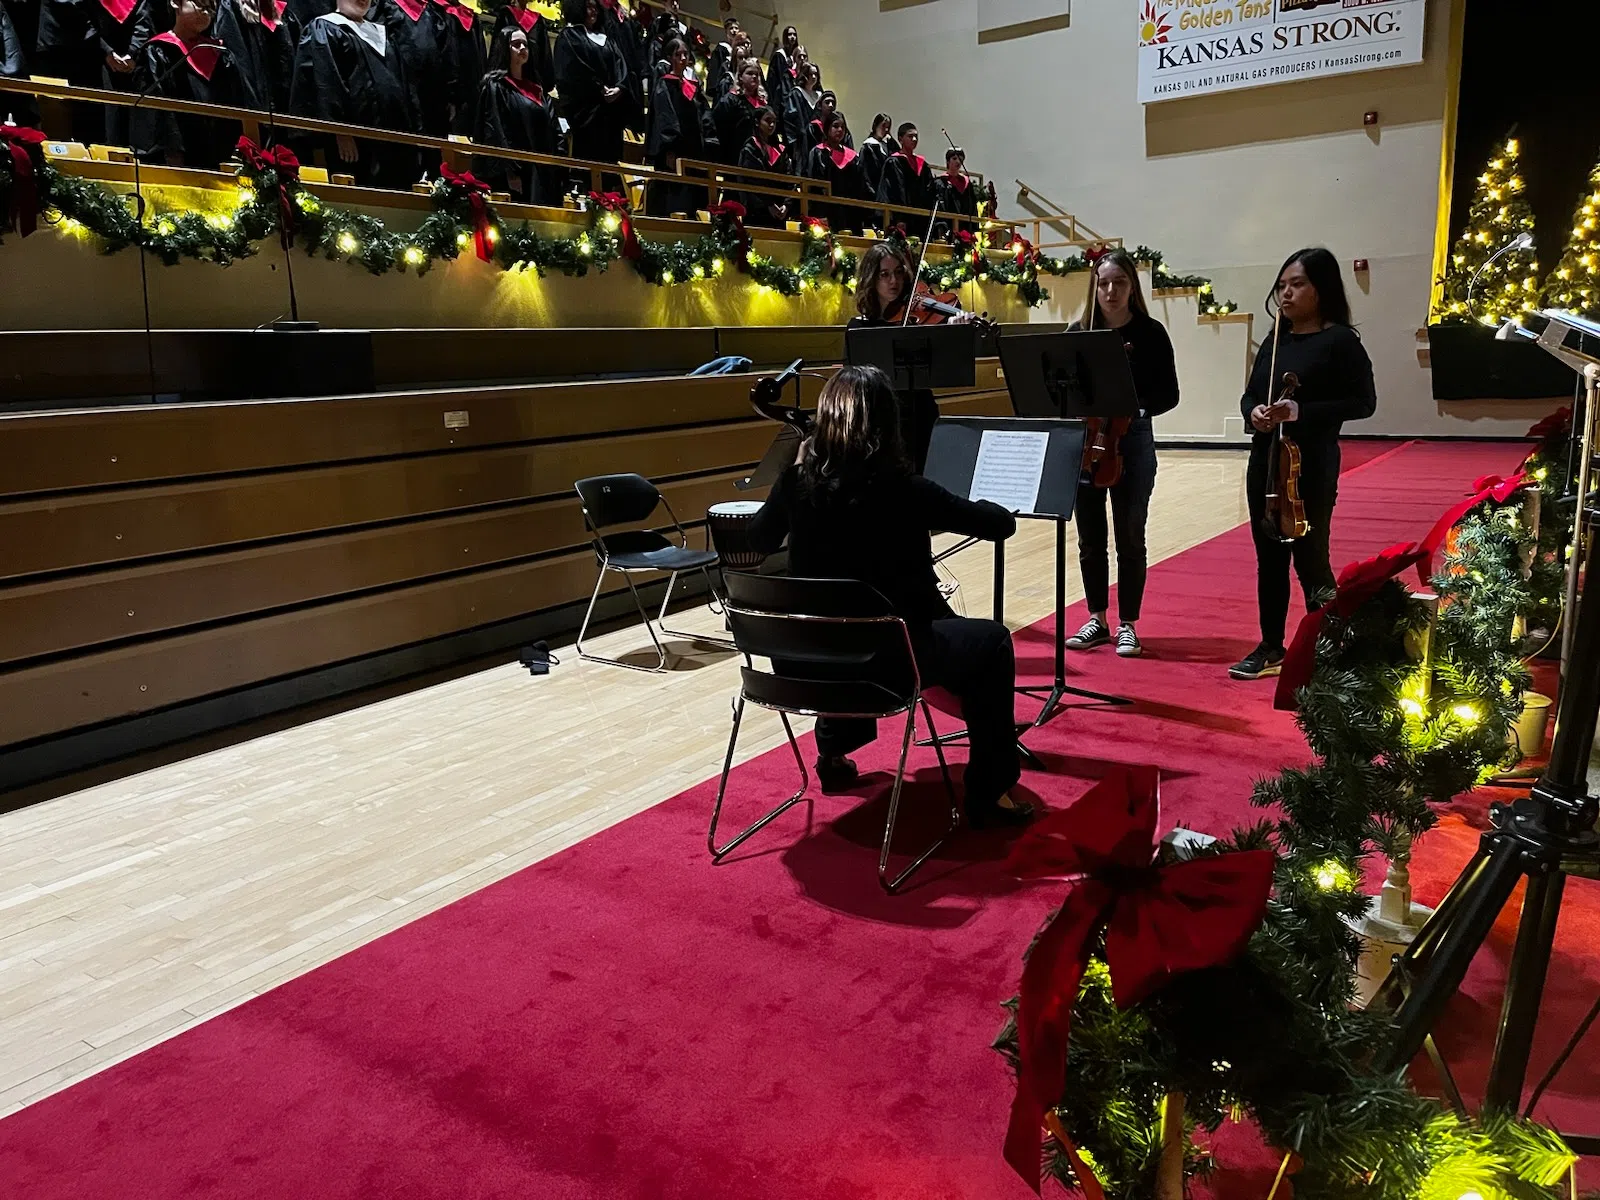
point(953, 459)
point(1068, 376)
point(916, 357)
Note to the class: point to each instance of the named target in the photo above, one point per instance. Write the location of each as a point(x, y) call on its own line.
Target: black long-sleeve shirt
point(1150, 357)
point(876, 529)
point(1335, 386)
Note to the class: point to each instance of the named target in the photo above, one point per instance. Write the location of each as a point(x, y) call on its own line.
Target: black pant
point(1130, 510)
point(973, 659)
point(1319, 488)
point(919, 413)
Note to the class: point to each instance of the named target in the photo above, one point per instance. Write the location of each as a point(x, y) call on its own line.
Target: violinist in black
point(679, 128)
point(1117, 303)
point(512, 110)
point(883, 289)
point(1317, 344)
point(907, 181)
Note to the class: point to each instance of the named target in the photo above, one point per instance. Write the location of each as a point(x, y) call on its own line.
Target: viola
point(1102, 448)
point(1284, 513)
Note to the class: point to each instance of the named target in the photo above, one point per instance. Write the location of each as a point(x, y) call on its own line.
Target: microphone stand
point(294, 324)
point(1521, 242)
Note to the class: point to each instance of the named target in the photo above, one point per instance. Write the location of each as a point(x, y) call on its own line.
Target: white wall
point(1225, 185)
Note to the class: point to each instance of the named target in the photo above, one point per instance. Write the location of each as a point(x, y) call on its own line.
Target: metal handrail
point(1078, 233)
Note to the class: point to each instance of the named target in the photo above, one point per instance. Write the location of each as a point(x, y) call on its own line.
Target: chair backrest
point(616, 499)
point(820, 629)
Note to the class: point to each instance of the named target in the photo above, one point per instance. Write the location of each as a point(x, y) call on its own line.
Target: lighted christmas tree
point(1510, 286)
point(1575, 284)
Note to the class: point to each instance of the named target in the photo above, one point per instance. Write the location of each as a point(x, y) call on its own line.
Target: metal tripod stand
point(1543, 838)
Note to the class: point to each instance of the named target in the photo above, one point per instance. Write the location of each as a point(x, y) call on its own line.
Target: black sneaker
point(1095, 632)
point(1258, 664)
point(840, 775)
point(1128, 643)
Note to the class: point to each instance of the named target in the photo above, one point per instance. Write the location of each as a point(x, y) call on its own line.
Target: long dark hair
point(867, 278)
point(500, 52)
point(576, 12)
point(857, 430)
point(1123, 261)
point(1322, 269)
point(885, 120)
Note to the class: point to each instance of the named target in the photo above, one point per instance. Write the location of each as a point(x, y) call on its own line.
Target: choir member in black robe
point(306, 11)
point(16, 45)
point(800, 109)
point(418, 36)
point(679, 124)
point(260, 36)
point(765, 151)
point(346, 70)
point(628, 35)
point(735, 114)
point(96, 44)
point(512, 110)
point(907, 180)
point(875, 151)
point(671, 25)
point(957, 197)
point(783, 71)
point(592, 79)
point(834, 162)
point(540, 67)
point(466, 60)
point(817, 131)
point(184, 63)
point(723, 60)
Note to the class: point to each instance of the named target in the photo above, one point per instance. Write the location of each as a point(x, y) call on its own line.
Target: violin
point(1283, 516)
point(929, 307)
point(1102, 450)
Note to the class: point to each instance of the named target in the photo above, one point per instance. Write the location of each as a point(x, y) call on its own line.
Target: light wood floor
point(137, 908)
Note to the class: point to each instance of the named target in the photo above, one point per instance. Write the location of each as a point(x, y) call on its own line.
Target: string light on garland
point(1499, 212)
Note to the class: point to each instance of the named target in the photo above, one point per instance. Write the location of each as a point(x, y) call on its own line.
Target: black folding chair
point(612, 500)
point(837, 651)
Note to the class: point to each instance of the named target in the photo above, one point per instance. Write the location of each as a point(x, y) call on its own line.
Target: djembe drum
point(729, 523)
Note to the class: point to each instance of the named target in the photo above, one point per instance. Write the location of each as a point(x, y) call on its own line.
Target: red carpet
point(626, 1020)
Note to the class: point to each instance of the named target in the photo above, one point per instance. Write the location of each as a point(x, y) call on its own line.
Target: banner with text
point(1198, 47)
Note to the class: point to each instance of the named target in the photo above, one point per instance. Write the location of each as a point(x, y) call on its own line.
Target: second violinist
point(883, 289)
point(1117, 303)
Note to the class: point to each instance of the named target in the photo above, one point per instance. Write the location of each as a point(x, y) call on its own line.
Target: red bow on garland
point(1024, 251)
point(1557, 422)
point(281, 160)
point(618, 203)
point(1095, 253)
point(1160, 921)
point(478, 197)
point(26, 156)
point(734, 213)
point(1357, 584)
point(1485, 487)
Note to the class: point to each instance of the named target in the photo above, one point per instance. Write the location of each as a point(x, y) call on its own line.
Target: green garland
point(1273, 1036)
point(74, 204)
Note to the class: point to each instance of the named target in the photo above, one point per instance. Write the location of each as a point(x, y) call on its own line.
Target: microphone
point(1522, 241)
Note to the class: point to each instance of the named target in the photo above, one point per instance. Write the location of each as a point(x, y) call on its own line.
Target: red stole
point(460, 12)
point(772, 152)
point(119, 9)
point(202, 56)
point(755, 101)
point(959, 182)
point(842, 156)
point(531, 90)
point(688, 86)
point(916, 160)
point(413, 8)
point(271, 14)
point(525, 17)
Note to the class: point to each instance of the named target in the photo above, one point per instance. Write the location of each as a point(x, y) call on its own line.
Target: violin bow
point(922, 257)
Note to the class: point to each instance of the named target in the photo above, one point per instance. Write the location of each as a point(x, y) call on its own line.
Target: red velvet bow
point(1160, 921)
point(618, 203)
point(281, 160)
point(1095, 253)
point(1485, 487)
point(478, 197)
point(1357, 584)
point(1559, 421)
point(734, 212)
point(1023, 249)
point(26, 155)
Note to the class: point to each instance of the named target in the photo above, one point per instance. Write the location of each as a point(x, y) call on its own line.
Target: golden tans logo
point(1292, 6)
point(1153, 25)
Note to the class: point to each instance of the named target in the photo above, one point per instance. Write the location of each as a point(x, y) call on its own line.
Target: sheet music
point(1010, 468)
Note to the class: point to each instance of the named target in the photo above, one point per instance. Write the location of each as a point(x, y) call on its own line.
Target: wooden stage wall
point(153, 557)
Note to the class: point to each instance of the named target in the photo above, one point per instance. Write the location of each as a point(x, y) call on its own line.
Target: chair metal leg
point(644, 615)
point(944, 767)
point(891, 885)
point(726, 643)
point(722, 786)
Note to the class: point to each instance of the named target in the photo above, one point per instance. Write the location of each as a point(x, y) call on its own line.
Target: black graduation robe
point(306, 11)
point(874, 154)
point(339, 76)
point(75, 39)
point(628, 36)
point(782, 78)
point(719, 73)
point(796, 116)
point(735, 121)
point(262, 51)
point(583, 71)
point(760, 208)
point(679, 128)
point(418, 37)
point(958, 200)
point(203, 72)
point(842, 170)
point(907, 183)
point(540, 67)
point(466, 59)
point(517, 114)
point(16, 46)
